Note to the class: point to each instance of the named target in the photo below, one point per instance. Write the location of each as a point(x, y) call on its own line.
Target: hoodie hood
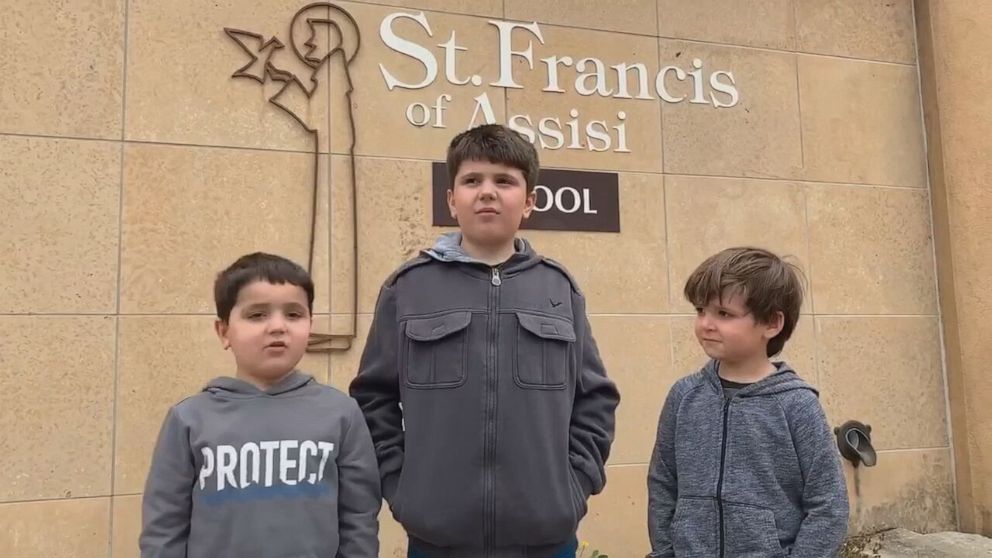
point(448, 249)
point(785, 379)
point(240, 389)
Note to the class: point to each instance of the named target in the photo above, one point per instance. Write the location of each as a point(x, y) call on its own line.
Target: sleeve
point(825, 502)
point(167, 501)
point(663, 479)
point(593, 418)
point(359, 497)
point(376, 389)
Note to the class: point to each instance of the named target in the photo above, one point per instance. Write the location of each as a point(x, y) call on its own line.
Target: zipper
point(492, 382)
point(719, 484)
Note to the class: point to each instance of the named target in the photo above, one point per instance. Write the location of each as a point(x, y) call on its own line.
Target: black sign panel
point(567, 200)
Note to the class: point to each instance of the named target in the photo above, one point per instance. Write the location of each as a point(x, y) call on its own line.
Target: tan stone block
point(885, 372)
point(871, 29)
point(861, 122)
point(164, 359)
point(394, 208)
point(636, 351)
point(179, 78)
point(908, 489)
point(55, 86)
point(616, 524)
point(392, 537)
point(758, 23)
point(344, 365)
point(56, 406)
point(707, 215)
point(633, 124)
point(893, 273)
point(632, 16)
point(757, 137)
point(637, 253)
point(481, 8)
point(800, 351)
point(190, 212)
point(56, 529)
point(126, 527)
point(60, 228)
point(954, 43)
point(380, 114)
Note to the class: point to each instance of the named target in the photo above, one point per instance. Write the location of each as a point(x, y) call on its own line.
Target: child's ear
point(775, 325)
point(529, 203)
point(221, 326)
point(451, 203)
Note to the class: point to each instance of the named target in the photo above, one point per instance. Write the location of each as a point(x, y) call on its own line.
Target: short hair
point(766, 282)
point(497, 144)
point(258, 266)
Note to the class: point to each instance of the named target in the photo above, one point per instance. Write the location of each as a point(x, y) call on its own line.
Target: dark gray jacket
point(244, 473)
point(508, 412)
point(758, 475)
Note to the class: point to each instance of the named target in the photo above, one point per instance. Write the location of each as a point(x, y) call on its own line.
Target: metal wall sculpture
point(321, 35)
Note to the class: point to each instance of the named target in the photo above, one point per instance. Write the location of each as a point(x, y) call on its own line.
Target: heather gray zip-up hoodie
point(507, 412)
point(755, 476)
point(242, 473)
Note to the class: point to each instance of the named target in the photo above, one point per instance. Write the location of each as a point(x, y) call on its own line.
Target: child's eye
point(699, 311)
point(724, 314)
point(256, 316)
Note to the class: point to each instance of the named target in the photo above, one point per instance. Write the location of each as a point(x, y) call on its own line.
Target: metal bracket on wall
point(261, 69)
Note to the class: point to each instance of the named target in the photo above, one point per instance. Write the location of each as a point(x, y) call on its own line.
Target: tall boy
point(507, 413)
point(745, 464)
point(267, 463)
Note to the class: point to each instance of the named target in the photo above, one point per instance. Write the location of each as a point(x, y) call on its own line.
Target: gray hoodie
point(507, 413)
point(757, 475)
point(242, 473)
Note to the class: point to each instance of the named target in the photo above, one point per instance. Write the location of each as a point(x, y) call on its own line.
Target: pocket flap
point(438, 327)
point(547, 327)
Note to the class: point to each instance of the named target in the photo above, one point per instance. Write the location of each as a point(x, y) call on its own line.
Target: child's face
point(267, 330)
point(489, 200)
point(728, 332)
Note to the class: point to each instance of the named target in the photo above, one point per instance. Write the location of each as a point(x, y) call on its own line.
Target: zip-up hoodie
point(754, 476)
point(507, 413)
point(242, 473)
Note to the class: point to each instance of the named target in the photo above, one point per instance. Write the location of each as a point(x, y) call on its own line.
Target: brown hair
point(766, 282)
point(497, 144)
point(258, 266)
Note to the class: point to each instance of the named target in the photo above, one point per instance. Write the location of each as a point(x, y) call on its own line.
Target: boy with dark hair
point(507, 414)
point(267, 463)
point(745, 464)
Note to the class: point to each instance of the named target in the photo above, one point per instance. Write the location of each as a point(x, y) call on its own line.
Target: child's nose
point(277, 322)
point(705, 321)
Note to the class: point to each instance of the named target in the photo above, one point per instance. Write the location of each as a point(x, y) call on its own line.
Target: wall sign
point(628, 81)
point(567, 200)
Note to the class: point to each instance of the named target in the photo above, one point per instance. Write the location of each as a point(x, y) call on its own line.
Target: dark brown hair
point(766, 282)
point(257, 267)
point(497, 144)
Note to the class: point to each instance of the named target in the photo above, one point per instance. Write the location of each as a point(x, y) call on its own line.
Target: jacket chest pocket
point(435, 350)
point(542, 351)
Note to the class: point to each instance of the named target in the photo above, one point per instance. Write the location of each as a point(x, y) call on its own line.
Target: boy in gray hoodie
point(745, 465)
point(268, 463)
point(507, 414)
